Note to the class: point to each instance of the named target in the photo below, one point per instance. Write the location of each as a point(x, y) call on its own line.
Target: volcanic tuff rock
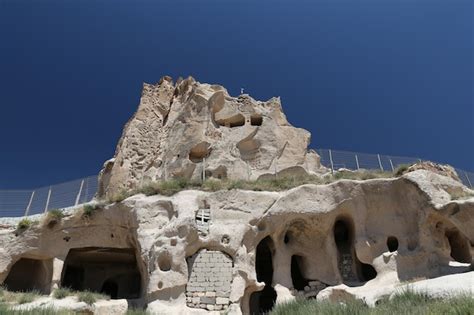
point(242, 251)
point(189, 129)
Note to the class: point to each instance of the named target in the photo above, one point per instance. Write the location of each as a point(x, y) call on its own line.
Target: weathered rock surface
point(242, 251)
point(189, 129)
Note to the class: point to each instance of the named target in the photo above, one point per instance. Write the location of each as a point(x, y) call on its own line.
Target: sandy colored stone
point(187, 128)
point(434, 233)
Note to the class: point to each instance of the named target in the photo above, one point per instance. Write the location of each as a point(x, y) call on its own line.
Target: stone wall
point(210, 278)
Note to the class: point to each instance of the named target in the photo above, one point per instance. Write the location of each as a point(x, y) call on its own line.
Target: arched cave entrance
point(30, 274)
point(460, 248)
point(262, 302)
point(299, 282)
point(350, 268)
point(112, 271)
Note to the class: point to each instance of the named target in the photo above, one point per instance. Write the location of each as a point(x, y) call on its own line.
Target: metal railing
point(17, 203)
point(334, 160)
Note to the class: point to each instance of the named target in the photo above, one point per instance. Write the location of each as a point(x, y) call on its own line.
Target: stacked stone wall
point(210, 279)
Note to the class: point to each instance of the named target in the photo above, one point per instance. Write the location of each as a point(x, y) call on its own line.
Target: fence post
point(27, 211)
point(79, 194)
point(357, 162)
point(204, 169)
point(391, 165)
point(47, 200)
point(380, 163)
point(468, 180)
point(330, 159)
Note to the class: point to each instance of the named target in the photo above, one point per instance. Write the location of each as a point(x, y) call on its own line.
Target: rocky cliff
point(234, 250)
point(193, 130)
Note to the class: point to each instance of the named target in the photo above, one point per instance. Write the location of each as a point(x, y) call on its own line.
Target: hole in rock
point(112, 271)
point(256, 120)
point(236, 120)
point(262, 302)
point(343, 239)
point(30, 274)
point(350, 268)
point(460, 248)
point(299, 282)
point(287, 238)
point(199, 152)
point(367, 272)
point(248, 147)
point(392, 243)
point(164, 261)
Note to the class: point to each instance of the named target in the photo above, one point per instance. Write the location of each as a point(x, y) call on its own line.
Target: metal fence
point(334, 160)
point(17, 203)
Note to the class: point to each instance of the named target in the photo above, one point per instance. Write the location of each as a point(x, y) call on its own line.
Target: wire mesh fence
point(334, 160)
point(17, 203)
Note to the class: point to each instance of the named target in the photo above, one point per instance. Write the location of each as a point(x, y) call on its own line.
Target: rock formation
point(239, 251)
point(243, 251)
point(195, 130)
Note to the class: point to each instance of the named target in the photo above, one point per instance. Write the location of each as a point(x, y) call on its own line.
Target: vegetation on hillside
point(406, 303)
point(172, 186)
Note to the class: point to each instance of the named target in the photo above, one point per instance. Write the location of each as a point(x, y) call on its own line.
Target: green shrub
point(120, 196)
point(27, 297)
point(24, 224)
point(89, 209)
point(401, 169)
point(212, 185)
point(91, 297)
point(57, 214)
point(61, 293)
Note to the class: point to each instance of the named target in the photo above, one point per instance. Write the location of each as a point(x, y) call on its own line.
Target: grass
point(27, 297)
point(171, 187)
point(88, 210)
point(61, 293)
point(405, 303)
point(91, 297)
point(53, 217)
point(137, 311)
point(401, 169)
point(24, 224)
point(4, 310)
point(17, 297)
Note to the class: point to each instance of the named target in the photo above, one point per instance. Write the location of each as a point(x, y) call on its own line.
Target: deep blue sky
point(391, 76)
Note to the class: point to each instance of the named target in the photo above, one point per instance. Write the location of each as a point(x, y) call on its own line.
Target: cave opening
point(392, 244)
point(345, 260)
point(256, 120)
point(30, 275)
point(350, 268)
point(299, 282)
point(460, 247)
point(112, 271)
point(261, 302)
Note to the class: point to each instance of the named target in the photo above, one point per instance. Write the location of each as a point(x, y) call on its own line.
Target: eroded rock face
point(244, 251)
point(189, 129)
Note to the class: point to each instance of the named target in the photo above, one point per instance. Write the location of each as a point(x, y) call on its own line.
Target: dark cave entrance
point(111, 271)
point(350, 268)
point(299, 282)
point(262, 302)
point(460, 247)
point(30, 275)
point(392, 244)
